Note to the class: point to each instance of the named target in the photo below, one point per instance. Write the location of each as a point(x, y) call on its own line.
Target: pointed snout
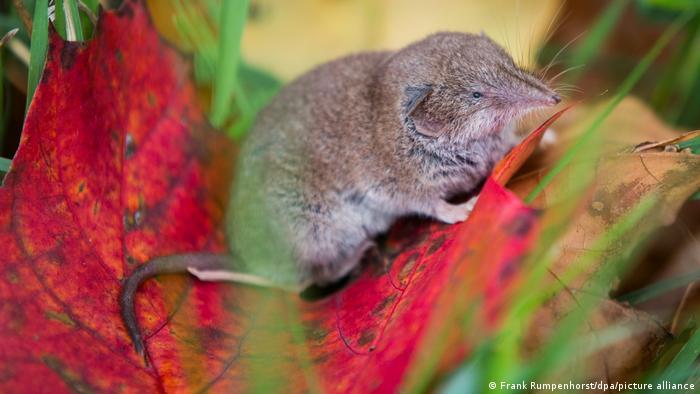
point(534, 91)
point(542, 95)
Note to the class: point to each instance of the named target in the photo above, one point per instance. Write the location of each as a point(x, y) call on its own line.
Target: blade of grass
point(670, 5)
point(73, 26)
point(196, 31)
point(468, 379)
point(589, 48)
point(39, 45)
point(694, 146)
point(688, 74)
point(5, 164)
point(622, 91)
point(3, 110)
point(665, 90)
point(682, 365)
point(87, 8)
point(59, 18)
point(659, 288)
point(226, 84)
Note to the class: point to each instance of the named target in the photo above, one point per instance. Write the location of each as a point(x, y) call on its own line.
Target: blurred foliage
point(239, 90)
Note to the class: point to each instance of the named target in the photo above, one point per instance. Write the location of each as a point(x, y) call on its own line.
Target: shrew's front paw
point(453, 213)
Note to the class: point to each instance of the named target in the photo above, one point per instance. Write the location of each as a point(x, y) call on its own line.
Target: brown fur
point(354, 144)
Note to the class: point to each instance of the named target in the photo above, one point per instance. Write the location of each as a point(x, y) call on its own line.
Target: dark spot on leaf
point(436, 244)
point(12, 276)
point(119, 56)
point(133, 219)
point(322, 359)
point(126, 10)
point(16, 314)
point(366, 338)
point(316, 334)
point(81, 187)
point(6, 373)
point(68, 53)
point(45, 76)
point(211, 337)
point(129, 146)
point(138, 218)
point(520, 226)
point(152, 99)
point(383, 304)
point(508, 269)
point(69, 377)
point(60, 317)
point(408, 265)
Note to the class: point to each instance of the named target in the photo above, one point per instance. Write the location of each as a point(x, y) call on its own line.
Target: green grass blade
point(74, 29)
point(688, 72)
point(226, 86)
point(39, 45)
point(59, 20)
point(622, 91)
point(670, 5)
point(659, 288)
point(468, 379)
point(195, 30)
point(5, 164)
point(3, 111)
point(683, 364)
point(686, 356)
point(92, 4)
point(590, 47)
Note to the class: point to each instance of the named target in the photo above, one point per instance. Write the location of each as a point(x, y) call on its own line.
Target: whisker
point(550, 27)
point(574, 89)
point(554, 78)
point(568, 44)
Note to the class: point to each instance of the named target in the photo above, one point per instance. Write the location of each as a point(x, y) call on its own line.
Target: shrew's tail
point(163, 265)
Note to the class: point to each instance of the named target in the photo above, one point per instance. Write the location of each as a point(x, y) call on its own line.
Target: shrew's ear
point(417, 115)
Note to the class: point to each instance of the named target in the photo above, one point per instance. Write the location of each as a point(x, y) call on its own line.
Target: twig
point(23, 15)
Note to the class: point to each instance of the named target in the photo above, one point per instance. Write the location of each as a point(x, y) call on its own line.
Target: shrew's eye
point(477, 95)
